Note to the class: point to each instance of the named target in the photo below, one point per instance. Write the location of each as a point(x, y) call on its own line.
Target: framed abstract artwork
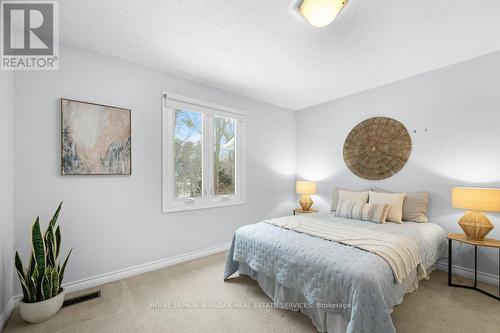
point(95, 139)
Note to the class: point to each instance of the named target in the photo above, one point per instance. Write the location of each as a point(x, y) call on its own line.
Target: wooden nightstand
point(299, 211)
point(487, 242)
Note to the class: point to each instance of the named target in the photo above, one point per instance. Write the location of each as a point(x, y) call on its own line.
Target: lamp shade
point(305, 187)
point(321, 12)
point(476, 199)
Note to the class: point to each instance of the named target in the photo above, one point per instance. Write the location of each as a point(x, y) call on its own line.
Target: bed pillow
point(415, 206)
point(376, 213)
point(394, 199)
point(344, 195)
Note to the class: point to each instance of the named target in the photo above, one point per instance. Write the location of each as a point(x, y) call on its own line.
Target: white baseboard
point(5, 315)
point(468, 273)
point(97, 280)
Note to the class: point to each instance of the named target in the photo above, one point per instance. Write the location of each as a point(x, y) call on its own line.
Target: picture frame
point(96, 139)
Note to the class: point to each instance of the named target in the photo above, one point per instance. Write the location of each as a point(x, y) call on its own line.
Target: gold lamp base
point(305, 202)
point(476, 225)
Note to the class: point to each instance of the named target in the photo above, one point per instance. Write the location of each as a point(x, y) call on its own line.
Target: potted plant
point(42, 278)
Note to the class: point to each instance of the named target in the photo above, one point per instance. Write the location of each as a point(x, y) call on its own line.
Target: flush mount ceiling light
point(320, 13)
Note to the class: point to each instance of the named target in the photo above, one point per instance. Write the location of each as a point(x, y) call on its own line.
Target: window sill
point(202, 206)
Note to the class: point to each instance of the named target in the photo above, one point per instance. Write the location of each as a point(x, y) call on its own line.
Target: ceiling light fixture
point(320, 13)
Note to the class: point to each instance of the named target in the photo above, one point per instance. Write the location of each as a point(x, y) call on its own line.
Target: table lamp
point(475, 223)
point(305, 189)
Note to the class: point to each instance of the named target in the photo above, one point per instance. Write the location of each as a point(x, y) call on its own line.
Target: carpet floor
point(192, 297)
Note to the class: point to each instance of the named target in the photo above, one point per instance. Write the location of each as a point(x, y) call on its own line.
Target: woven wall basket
point(377, 148)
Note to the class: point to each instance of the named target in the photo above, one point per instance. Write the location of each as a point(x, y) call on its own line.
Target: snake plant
point(43, 276)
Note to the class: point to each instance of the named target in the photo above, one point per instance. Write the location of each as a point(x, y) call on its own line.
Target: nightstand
point(300, 211)
point(487, 242)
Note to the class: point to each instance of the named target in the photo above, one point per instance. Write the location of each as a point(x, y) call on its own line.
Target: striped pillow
point(363, 211)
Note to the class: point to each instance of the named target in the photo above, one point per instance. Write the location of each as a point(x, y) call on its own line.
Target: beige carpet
point(141, 304)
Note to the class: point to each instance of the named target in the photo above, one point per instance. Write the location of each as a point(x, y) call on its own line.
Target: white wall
point(458, 105)
point(6, 188)
point(114, 222)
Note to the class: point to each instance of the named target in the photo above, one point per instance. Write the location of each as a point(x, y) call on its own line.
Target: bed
point(341, 288)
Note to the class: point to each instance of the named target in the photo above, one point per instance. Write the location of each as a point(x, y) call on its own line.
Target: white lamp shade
point(476, 199)
point(305, 187)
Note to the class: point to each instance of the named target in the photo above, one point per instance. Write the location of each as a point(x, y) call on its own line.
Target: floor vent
point(82, 298)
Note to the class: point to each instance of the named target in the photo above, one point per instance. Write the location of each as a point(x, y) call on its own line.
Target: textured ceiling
point(261, 49)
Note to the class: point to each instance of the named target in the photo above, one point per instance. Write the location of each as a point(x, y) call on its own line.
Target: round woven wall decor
point(377, 148)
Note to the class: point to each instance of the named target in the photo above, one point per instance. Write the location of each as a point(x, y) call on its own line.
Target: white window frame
point(208, 199)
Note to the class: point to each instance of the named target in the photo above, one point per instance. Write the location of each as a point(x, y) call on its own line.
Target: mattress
point(341, 288)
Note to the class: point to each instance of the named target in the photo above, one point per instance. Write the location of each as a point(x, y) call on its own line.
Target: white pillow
point(335, 196)
point(394, 199)
point(415, 206)
point(353, 196)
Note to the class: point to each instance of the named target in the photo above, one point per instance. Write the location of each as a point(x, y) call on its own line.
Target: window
point(188, 154)
point(203, 157)
point(224, 155)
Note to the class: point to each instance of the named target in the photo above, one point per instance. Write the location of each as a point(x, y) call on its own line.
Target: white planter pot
point(41, 311)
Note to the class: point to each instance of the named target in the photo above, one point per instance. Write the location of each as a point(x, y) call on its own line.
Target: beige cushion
point(415, 206)
point(363, 211)
point(394, 199)
point(335, 198)
point(344, 195)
